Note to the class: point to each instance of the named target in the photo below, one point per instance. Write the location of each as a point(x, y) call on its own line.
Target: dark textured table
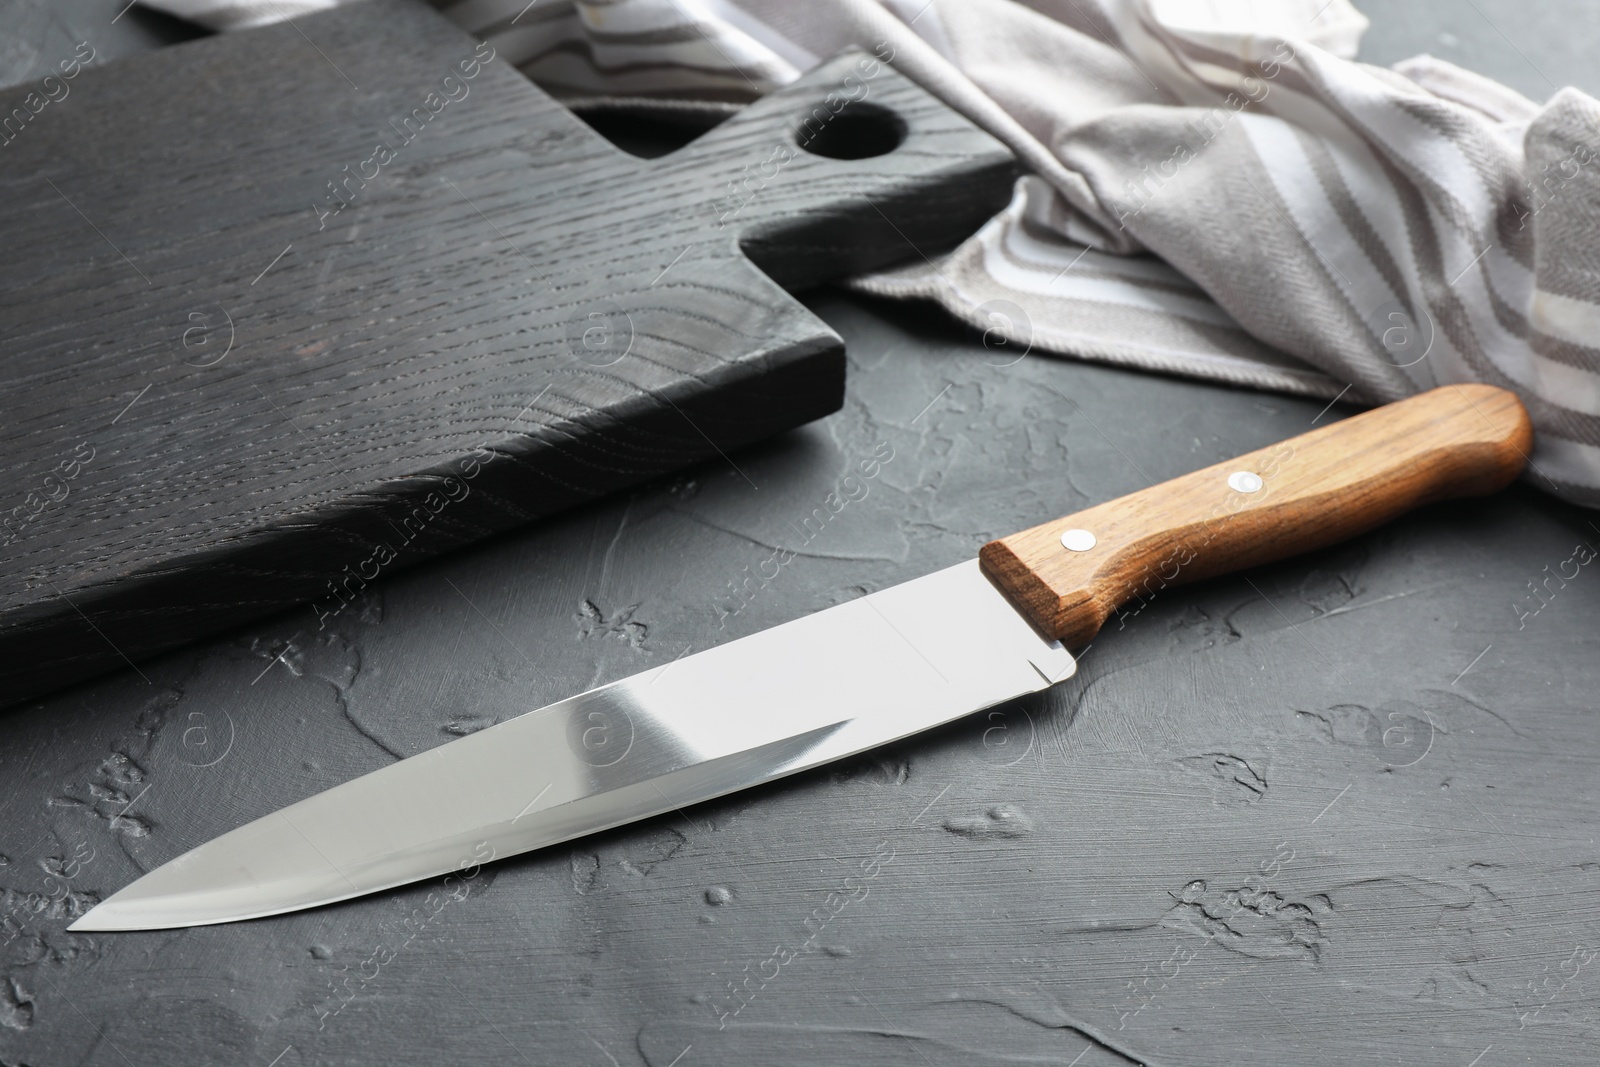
point(1340, 810)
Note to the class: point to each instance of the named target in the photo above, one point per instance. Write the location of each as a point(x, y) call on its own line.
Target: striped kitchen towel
point(1215, 190)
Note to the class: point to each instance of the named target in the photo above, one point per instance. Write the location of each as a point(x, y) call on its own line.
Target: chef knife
point(835, 683)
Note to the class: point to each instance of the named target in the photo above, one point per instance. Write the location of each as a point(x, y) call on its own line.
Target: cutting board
point(290, 309)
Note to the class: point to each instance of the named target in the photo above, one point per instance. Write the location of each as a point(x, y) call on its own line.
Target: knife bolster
point(1308, 492)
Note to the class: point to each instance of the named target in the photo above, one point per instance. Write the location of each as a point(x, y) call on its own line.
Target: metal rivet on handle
point(1244, 482)
point(1078, 540)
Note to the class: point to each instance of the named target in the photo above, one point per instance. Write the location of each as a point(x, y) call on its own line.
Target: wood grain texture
point(1309, 492)
point(1301, 819)
point(1342, 813)
point(221, 396)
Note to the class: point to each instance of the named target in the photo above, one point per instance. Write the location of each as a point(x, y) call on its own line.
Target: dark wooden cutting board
point(289, 309)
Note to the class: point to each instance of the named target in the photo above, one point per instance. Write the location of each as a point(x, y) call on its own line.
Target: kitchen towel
point(1216, 190)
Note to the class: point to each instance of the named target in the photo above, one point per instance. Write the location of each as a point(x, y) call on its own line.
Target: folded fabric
point(1216, 190)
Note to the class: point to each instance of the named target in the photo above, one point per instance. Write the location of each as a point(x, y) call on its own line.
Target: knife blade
point(834, 683)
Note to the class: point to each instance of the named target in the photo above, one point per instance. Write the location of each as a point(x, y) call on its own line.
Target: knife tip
point(106, 917)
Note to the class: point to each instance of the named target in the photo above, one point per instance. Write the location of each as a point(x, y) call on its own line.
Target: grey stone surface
point(1340, 807)
point(1340, 810)
point(1536, 48)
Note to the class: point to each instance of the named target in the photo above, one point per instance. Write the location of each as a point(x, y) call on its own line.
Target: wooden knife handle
point(1069, 575)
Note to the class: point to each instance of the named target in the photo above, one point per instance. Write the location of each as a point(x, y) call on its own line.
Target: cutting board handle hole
point(855, 131)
